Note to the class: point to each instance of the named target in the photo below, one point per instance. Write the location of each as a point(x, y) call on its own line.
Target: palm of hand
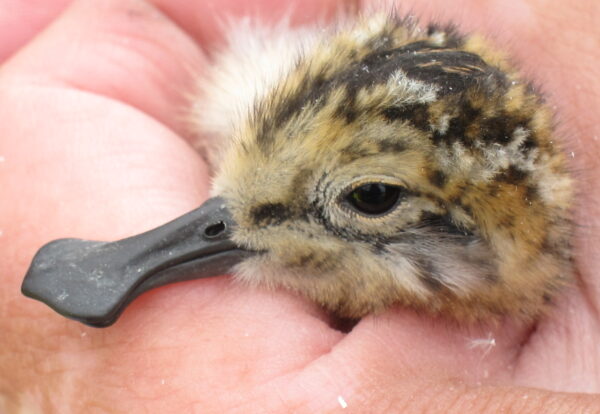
point(96, 130)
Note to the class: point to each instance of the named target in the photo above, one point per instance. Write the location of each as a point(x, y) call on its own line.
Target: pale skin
point(93, 145)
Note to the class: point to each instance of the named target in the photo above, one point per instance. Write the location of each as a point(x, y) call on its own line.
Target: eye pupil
point(374, 198)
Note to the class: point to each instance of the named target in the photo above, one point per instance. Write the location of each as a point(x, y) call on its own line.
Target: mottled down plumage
point(302, 123)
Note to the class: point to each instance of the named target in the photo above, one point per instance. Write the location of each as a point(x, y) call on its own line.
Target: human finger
point(21, 20)
point(125, 50)
point(204, 20)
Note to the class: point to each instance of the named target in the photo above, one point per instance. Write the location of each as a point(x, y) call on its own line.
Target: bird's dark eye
point(374, 199)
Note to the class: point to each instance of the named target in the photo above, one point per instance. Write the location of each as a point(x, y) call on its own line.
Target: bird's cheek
point(316, 257)
point(259, 240)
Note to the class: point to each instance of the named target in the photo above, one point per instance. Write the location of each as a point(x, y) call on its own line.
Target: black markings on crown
point(466, 116)
point(438, 178)
point(496, 130)
point(529, 143)
point(501, 129)
point(452, 71)
point(268, 116)
point(347, 110)
point(416, 114)
point(512, 175)
point(469, 124)
point(312, 93)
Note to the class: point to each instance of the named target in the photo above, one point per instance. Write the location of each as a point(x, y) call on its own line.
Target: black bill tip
point(93, 282)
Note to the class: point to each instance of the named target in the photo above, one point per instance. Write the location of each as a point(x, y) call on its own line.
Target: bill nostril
point(215, 230)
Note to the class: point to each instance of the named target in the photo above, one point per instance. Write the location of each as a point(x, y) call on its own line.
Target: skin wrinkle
point(559, 402)
point(590, 299)
point(24, 20)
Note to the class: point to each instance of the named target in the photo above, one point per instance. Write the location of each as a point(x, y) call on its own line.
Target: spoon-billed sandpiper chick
point(390, 164)
point(373, 165)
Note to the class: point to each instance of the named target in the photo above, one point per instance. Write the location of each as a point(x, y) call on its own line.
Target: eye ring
point(374, 199)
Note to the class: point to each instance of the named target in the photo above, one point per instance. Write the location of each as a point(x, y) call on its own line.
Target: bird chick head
point(397, 166)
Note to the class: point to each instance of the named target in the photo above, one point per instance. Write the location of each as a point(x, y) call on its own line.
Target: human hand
point(94, 146)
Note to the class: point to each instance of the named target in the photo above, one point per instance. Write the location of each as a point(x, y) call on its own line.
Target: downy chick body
point(380, 163)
